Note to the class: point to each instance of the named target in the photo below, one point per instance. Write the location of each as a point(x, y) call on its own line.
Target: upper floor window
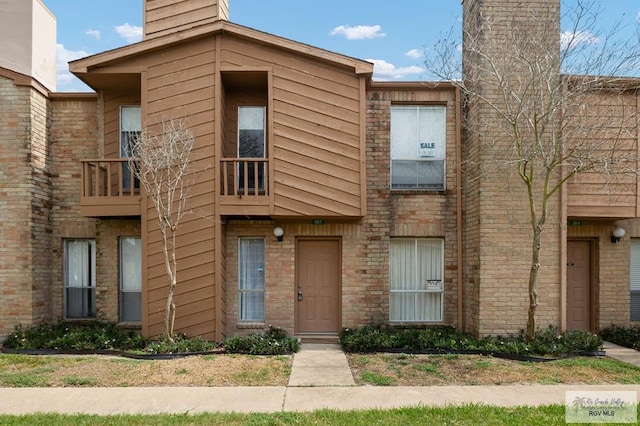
point(251, 144)
point(130, 129)
point(418, 146)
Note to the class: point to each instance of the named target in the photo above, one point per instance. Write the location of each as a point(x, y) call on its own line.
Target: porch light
point(617, 234)
point(279, 233)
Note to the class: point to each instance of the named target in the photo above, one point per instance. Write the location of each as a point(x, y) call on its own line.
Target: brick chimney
point(169, 16)
point(497, 234)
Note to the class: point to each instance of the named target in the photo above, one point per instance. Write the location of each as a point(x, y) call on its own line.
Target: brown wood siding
point(181, 83)
point(112, 103)
point(165, 16)
point(610, 118)
point(317, 124)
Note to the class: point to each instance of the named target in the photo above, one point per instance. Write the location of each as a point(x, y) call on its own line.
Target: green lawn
point(463, 415)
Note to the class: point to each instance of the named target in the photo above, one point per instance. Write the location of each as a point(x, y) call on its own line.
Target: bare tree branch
point(161, 162)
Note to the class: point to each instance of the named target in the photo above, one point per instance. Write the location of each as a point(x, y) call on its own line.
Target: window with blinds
point(416, 284)
point(79, 279)
point(418, 146)
point(251, 256)
point(634, 279)
point(130, 279)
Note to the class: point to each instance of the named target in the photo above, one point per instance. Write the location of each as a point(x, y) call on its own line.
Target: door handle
point(300, 296)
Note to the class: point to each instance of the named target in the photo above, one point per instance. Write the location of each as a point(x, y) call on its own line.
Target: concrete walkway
point(320, 378)
point(320, 365)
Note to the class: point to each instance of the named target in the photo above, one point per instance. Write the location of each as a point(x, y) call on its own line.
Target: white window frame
point(79, 277)
point(409, 300)
point(130, 124)
point(252, 117)
point(422, 147)
point(130, 277)
point(251, 295)
point(634, 279)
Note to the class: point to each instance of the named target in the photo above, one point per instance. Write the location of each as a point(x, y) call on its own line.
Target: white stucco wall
point(28, 34)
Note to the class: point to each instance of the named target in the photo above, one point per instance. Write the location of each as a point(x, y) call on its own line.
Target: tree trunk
point(533, 283)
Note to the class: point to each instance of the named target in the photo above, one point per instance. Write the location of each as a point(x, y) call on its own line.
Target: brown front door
point(318, 286)
point(579, 285)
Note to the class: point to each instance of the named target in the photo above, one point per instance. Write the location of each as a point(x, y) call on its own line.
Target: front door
point(579, 295)
point(318, 285)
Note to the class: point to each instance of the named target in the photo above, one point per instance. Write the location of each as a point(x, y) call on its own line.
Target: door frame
point(294, 293)
point(594, 287)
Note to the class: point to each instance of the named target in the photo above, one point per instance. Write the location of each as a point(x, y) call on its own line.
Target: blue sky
point(391, 33)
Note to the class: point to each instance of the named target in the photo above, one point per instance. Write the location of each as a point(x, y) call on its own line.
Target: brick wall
point(15, 205)
point(108, 233)
point(74, 136)
point(415, 214)
point(25, 202)
point(498, 233)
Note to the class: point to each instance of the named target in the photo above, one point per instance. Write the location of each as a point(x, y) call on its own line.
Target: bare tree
point(554, 104)
point(161, 162)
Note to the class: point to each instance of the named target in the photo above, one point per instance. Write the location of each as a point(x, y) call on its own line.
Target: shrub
point(181, 344)
point(623, 336)
point(446, 338)
point(92, 335)
point(273, 341)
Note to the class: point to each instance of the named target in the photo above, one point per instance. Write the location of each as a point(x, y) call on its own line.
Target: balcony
point(109, 189)
point(244, 186)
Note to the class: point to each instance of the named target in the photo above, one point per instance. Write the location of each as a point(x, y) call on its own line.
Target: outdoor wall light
point(617, 234)
point(279, 233)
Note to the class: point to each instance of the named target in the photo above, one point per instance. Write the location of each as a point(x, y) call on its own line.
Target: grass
point(440, 370)
point(451, 415)
point(101, 371)
point(376, 379)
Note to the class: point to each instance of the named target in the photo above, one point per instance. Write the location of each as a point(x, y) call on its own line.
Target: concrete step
point(327, 338)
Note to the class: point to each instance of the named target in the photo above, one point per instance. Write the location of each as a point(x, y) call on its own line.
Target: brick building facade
point(371, 234)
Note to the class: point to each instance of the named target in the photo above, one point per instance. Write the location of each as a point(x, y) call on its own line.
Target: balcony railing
point(109, 178)
point(109, 188)
point(242, 177)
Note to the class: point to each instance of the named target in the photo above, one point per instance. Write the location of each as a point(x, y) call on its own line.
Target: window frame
point(91, 272)
point(634, 277)
point(242, 309)
point(435, 152)
point(436, 283)
point(251, 166)
point(124, 149)
point(121, 280)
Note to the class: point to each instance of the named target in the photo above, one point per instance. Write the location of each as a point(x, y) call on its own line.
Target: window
point(251, 144)
point(130, 129)
point(634, 279)
point(251, 279)
point(130, 279)
point(80, 278)
point(416, 283)
point(418, 142)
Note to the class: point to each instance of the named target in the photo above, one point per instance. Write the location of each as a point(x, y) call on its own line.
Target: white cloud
point(383, 70)
point(414, 53)
point(93, 33)
point(129, 32)
point(65, 80)
point(359, 32)
point(581, 37)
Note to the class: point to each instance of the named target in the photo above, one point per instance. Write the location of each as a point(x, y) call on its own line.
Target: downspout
point(461, 318)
